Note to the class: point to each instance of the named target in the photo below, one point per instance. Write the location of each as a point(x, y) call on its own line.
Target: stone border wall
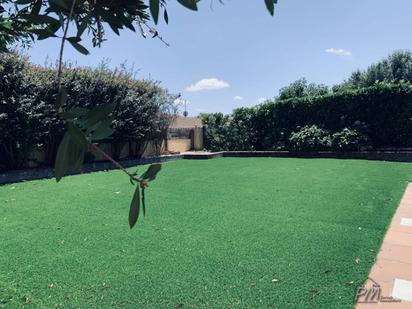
point(39, 173)
point(396, 156)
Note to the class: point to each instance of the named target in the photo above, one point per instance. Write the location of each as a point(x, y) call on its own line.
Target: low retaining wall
point(38, 173)
point(203, 155)
point(396, 156)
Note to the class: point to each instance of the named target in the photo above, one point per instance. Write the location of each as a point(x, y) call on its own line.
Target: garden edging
point(39, 173)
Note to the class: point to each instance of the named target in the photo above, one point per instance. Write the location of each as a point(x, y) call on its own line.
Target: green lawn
point(216, 234)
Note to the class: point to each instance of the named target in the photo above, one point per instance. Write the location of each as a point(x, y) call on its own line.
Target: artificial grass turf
point(216, 234)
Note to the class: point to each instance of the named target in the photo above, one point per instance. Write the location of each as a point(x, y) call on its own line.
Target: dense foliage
point(28, 118)
point(349, 140)
point(301, 88)
point(217, 135)
point(384, 110)
point(310, 138)
point(24, 20)
point(394, 68)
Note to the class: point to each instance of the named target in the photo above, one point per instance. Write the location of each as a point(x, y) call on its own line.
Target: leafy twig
point(153, 31)
point(118, 165)
point(60, 69)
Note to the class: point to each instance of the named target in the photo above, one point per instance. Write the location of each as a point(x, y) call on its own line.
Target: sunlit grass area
point(229, 232)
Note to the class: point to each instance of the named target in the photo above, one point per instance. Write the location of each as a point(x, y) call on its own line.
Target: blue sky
point(243, 55)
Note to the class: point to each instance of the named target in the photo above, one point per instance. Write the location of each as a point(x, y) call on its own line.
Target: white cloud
point(339, 51)
point(208, 84)
point(238, 98)
point(261, 100)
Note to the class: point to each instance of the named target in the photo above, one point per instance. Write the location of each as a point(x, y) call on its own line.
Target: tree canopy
point(301, 88)
point(394, 68)
point(26, 20)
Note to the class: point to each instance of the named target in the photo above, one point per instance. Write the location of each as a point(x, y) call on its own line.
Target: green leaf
point(154, 10)
point(80, 48)
point(114, 27)
point(61, 97)
point(82, 27)
point(36, 8)
point(70, 154)
point(151, 172)
point(103, 129)
point(166, 17)
point(43, 33)
point(53, 28)
point(40, 19)
point(74, 39)
point(270, 5)
point(134, 208)
point(23, 1)
point(77, 164)
point(78, 136)
point(190, 4)
point(96, 115)
point(74, 112)
point(62, 157)
point(60, 3)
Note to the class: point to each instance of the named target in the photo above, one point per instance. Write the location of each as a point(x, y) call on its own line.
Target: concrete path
point(390, 280)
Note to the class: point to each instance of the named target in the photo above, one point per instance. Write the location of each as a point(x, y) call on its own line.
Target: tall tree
point(394, 68)
point(301, 88)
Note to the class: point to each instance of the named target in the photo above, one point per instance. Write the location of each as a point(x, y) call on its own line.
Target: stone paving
point(390, 280)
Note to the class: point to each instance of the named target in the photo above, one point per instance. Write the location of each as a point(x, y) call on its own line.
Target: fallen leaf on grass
point(327, 270)
point(26, 299)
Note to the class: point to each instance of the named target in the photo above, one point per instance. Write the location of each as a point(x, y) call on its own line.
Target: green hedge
point(385, 108)
point(28, 119)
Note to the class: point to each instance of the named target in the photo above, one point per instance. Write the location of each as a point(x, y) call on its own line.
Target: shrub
point(386, 109)
point(310, 138)
point(228, 132)
point(217, 131)
point(394, 68)
point(349, 140)
point(242, 133)
point(29, 121)
point(301, 88)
